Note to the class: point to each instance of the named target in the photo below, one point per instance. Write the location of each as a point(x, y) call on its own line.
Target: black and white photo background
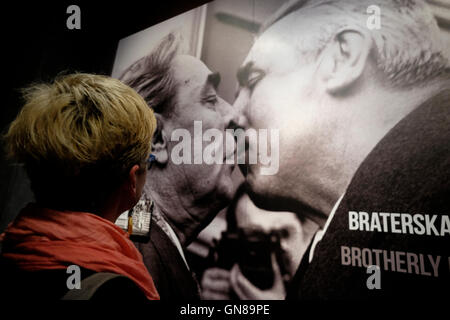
point(251, 230)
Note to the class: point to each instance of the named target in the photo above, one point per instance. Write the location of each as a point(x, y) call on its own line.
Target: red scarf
point(44, 239)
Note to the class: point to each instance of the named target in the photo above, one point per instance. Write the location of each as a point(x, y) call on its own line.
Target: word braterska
point(404, 223)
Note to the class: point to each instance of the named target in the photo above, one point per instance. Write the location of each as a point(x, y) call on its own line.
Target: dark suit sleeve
point(155, 267)
point(163, 261)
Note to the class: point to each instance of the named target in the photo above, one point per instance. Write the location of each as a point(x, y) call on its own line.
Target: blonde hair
point(81, 131)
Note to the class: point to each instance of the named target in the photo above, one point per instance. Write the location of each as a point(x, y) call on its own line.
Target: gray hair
point(408, 48)
point(152, 76)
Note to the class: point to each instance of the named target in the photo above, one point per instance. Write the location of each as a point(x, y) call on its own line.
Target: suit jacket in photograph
point(172, 278)
point(407, 172)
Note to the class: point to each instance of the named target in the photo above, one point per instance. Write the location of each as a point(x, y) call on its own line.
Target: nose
point(240, 106)
point(229, 114)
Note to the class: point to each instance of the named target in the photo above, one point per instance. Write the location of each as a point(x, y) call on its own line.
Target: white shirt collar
point(319, 234)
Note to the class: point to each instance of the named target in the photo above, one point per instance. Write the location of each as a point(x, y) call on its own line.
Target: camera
point(252, 251)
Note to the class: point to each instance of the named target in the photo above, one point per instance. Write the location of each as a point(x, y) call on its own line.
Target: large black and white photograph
point(236, 150)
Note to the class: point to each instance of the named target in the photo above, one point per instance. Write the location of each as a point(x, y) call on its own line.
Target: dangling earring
point(130, 221)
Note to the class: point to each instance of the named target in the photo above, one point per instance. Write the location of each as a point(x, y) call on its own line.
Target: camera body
point(252, 251)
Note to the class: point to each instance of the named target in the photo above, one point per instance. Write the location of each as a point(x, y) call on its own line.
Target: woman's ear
point(344, 59)
point(159, 143)
point(133, 178)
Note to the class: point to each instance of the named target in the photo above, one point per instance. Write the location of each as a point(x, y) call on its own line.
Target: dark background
point(37, 46)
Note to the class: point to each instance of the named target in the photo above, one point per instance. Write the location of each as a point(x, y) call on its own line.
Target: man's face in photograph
point(197, 100)
point(279, 89)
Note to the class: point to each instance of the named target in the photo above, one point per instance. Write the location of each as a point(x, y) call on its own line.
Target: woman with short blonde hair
point(85, 142)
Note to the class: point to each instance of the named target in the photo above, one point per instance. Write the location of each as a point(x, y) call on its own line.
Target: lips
point(229, 153)
point(244, 167)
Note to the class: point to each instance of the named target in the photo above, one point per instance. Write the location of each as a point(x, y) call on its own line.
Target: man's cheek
point(270, 105)
point(261, 113)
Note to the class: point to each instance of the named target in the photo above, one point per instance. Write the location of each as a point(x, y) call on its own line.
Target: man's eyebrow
point(243, 73)
point(213, 79)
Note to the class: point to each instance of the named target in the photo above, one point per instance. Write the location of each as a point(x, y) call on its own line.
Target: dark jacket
point(407, 172)
point(166, 266)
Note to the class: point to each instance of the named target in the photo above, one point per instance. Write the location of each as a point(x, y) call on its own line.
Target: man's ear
point(159, 143)
point(344, 59)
